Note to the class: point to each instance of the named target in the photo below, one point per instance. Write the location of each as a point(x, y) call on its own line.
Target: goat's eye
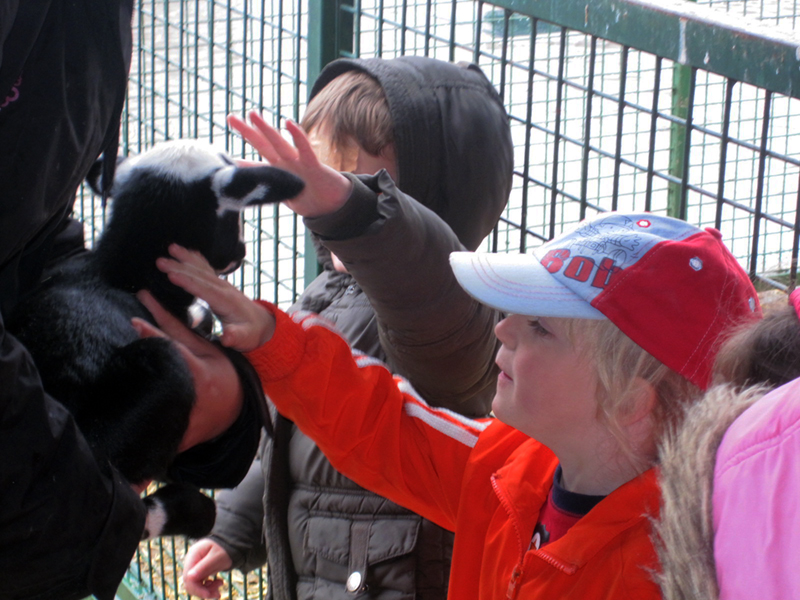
point(226, 159)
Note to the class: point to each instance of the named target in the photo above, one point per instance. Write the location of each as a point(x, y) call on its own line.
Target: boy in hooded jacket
point(440, 132)
point(612, 330)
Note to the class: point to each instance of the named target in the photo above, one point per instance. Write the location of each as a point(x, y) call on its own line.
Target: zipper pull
point(512, 585)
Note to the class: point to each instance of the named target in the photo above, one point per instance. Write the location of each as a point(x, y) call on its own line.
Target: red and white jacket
point(481, 478)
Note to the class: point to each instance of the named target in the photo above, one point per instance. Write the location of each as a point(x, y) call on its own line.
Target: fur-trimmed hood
point(684, 533)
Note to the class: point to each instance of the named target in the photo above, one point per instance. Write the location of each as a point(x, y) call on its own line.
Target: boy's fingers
point(233, 336)
point(191, 271)
point(242, 127)
point(284, 149)
point(241, 162)
point(304, 149)
point(255, 138)
point(189, 262)
point(236, 123)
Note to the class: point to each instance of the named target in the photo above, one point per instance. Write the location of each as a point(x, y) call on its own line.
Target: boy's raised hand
point(326, 189)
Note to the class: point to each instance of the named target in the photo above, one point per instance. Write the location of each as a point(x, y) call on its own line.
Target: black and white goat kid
point(132, 397)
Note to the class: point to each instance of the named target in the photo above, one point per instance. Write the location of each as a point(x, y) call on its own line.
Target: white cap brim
point(518, 284)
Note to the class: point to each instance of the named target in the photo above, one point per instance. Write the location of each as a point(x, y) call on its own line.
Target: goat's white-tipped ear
point(237, 187)
point(94, 178)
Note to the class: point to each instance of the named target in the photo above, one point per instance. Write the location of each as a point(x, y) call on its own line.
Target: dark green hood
point(452, 137)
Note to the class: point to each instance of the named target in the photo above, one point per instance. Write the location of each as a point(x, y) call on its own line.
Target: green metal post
point(328, 26)
point(330, 35)
point(681, 80)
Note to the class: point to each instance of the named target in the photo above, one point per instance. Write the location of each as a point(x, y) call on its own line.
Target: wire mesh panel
point(195, 62)
point(781, 13)
point(600, 124)
point(613, 105)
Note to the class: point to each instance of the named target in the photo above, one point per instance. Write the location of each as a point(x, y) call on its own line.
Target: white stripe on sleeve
point(464, 430)
point(453, 425)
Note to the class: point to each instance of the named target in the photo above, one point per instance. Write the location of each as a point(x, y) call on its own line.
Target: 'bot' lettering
point(580, 268)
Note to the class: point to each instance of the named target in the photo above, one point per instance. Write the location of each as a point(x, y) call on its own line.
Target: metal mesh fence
point(626, 107)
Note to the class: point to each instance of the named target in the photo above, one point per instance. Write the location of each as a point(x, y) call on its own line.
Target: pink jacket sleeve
point(755, 500)
point(372, 426)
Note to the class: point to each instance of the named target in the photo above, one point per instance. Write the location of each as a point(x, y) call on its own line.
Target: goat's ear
point(237, 187)
point(95, 177)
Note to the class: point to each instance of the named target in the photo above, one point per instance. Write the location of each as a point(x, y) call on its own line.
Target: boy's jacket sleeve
point(434, 333)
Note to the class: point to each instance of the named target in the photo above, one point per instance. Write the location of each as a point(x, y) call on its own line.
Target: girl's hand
point(245, 324)
point(326, 189)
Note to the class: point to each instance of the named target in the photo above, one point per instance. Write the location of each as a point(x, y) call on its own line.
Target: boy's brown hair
point(352, 108)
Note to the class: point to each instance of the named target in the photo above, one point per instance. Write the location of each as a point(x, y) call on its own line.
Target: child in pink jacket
point(756, 500)
point(731, 475)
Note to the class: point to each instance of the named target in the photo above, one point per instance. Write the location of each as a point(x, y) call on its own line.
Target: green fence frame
point(673, 107)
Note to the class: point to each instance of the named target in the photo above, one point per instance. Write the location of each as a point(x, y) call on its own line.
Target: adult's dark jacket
point(68, 525)
point(399, 303)
point(67, 529)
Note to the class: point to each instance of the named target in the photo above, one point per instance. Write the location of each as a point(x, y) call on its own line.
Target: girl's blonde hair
point(352, 108)
point(619, 362)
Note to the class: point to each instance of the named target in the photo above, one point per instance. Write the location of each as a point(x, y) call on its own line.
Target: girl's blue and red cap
point(673, 288)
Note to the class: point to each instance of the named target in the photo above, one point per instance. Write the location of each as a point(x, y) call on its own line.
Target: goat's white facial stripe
point(237, 204)
point(222, 178)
